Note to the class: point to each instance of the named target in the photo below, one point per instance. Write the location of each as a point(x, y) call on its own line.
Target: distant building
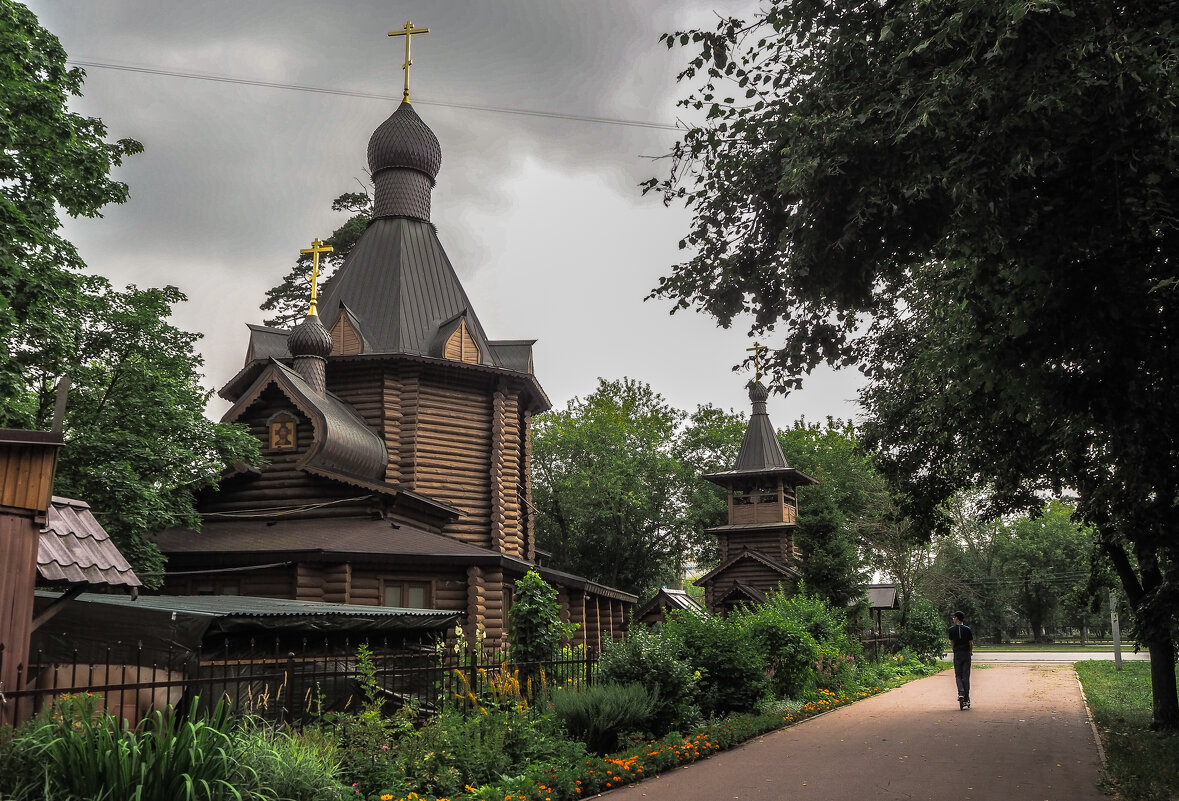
point(757, 549)
point(656, 609)
point(398, 436)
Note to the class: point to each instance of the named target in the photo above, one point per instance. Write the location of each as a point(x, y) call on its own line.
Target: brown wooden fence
point(291, 686)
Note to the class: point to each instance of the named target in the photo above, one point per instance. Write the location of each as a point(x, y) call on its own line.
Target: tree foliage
point(609, 488)
point(287, 301)
point(832, 514)
point(51, 161)
point(137, 442)
point(976, 201)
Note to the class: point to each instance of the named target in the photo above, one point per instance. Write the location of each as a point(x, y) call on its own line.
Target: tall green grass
point(1141, 765)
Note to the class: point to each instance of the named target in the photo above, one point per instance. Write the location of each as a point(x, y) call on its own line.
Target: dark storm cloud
point(541, 216)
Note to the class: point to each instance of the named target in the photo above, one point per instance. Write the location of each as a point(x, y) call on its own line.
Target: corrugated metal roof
point(74, 548)
point(251, 606)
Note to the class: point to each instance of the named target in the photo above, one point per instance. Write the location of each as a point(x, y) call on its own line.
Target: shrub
point(650, 660)
point(925, 632)
point(731, 673)
point(789, 650)
point(84, 752)
point(600, 715)
point(535, 629)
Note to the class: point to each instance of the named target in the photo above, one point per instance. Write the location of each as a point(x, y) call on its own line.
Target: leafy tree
point(609, 488)
point(976, 201)
point(831, 513)
point(708, 443)
point(51, 160)
point(137, 442)
point(1046, 558)
point(288, 300)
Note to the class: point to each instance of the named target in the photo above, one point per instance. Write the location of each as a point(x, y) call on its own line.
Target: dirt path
point(1027, 738)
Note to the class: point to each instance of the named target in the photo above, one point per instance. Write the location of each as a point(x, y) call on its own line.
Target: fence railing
point(295, 686)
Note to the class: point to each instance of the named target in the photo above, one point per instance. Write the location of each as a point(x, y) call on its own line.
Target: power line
point(198, 76)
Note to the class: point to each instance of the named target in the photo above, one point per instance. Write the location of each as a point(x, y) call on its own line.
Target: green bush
point(476, 748)
point(600, 715)
point(650, 660)
point(788, 648)
point(730, 672)
point(535, 630)
point(925, 632)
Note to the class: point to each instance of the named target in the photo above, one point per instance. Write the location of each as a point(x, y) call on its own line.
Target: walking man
point(962, 640)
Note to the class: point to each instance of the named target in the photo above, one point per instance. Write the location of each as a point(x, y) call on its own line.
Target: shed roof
point(883, 596)
point(75, 548)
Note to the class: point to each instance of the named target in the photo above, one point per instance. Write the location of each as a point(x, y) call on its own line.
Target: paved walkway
point(1027, 738)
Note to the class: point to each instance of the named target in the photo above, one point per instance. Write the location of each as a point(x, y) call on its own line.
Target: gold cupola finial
point(408, 30)
point(758, 351)
point(316, 248)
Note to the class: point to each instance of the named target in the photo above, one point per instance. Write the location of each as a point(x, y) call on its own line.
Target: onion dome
point(310, 338)
point(310, 343)
point(404, 158)
point(758, 394)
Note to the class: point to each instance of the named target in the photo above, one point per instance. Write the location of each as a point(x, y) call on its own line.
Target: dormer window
point(460, 345)
point(284, 432)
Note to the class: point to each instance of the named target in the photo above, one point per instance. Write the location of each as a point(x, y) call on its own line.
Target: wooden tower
point(757, 550)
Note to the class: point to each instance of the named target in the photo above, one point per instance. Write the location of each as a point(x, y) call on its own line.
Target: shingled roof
point(75, 549)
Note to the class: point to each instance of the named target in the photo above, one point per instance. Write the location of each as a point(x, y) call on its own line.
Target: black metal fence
point(291, 685)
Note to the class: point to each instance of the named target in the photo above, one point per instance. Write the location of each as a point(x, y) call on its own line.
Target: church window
point(284, 432)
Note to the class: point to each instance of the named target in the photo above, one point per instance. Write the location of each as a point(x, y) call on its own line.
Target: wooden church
point(757, 548)
point(397, 434)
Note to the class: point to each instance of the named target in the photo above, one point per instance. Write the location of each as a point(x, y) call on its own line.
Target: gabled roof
point(343, 446)
point(668, 599)
point(740, 591)
point(757, 556)
point(74, 548)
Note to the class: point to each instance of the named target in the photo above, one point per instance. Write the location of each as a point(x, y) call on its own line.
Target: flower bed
point(642, 759)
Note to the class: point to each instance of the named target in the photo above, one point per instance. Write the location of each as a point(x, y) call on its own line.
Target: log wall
point(774, 544)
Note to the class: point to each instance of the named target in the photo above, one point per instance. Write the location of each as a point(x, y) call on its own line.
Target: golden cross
point(758, 349)
point(407, 31)
point(316, 248)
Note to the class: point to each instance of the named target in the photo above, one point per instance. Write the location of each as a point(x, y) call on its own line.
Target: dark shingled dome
point(404, 141)
point(310, 338)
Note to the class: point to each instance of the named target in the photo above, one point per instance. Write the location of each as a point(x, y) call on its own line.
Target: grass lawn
point(1141, 765)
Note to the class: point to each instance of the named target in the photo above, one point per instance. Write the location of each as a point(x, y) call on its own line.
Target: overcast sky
point(541, 217)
